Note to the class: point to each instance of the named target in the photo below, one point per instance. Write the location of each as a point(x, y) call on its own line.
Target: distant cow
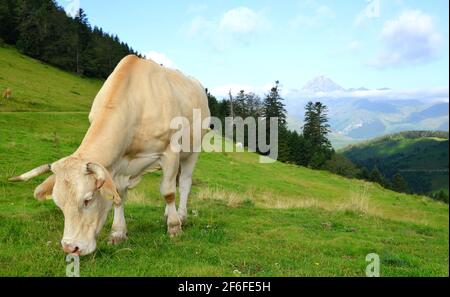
point(7, 93)
point(129, 135)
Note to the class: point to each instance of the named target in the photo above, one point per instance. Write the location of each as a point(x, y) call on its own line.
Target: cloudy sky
point(249, 44)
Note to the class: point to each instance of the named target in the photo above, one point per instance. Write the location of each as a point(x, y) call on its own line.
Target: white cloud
point(159, 58)
point(243, 20)
point(320, 15)
point(201, 27)
point(433, 94)
point(239, 24)
point(408, 40)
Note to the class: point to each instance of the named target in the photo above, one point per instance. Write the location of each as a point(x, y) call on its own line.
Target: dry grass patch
point(358, 200)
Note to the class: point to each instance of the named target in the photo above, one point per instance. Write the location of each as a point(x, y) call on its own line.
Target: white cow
point(129, 135)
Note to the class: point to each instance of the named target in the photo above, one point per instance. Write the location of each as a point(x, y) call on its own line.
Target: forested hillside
point(420, 157)
point(42, 30)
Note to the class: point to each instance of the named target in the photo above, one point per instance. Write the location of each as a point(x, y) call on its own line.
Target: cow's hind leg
point(169, 165)
point(119, 226)
point(185, 181)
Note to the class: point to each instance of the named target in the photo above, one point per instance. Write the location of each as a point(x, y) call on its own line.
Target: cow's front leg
point(169, 165)
point(119, 226)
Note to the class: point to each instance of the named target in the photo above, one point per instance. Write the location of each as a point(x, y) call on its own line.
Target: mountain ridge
point(421, 157)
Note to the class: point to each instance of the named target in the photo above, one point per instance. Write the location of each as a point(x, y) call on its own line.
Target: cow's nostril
point(71, 249)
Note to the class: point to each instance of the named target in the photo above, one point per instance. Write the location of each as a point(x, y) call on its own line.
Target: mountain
point(377, 106)
point(434, 111)
point(421, 157)
point(357, 114)
point(321, 84)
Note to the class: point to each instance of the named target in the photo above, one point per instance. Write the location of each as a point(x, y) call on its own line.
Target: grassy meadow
point(245, 218)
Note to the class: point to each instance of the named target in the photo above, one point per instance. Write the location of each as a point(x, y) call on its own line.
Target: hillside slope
point(420, 157)
point(37, 86)
point(245, 218)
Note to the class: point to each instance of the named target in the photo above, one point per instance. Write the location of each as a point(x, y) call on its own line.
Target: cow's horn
point(32, 173)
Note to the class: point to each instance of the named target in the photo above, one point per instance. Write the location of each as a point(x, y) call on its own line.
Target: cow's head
point(84, 191)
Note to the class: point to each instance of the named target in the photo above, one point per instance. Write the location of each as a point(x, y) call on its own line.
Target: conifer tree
point(315, 132)
point(399, 184)
point(376, 176)
point(273, 106)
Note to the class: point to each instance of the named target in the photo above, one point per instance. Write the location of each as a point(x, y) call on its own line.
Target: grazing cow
point(7, 93)
point(129, 135)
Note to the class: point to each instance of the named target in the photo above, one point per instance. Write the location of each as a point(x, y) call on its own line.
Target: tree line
point(310, 148)
point(42, 30)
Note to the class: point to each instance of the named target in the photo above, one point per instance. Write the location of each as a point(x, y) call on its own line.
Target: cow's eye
point(88, 199)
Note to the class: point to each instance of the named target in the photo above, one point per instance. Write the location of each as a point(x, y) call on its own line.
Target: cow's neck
point(104, 142)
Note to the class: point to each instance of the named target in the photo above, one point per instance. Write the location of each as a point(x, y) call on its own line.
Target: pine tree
point(364, 174)
point(30, 34)
point(253, 105)
point(239, 104)
point(399, 184)
point(8, 21)
point(376, 176)
point(315, 131)
point(442, 196)
point(83, 42)
point(273, 106)
point(213, 104)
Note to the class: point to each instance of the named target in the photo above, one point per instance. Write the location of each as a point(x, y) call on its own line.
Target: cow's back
point(145, 97)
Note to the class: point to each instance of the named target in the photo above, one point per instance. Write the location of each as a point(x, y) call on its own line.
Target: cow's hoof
point(174, 230)
point(117, 237)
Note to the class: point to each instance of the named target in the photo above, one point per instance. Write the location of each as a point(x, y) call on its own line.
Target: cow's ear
point(104, 182)
point(109, 191)
point(45, 189)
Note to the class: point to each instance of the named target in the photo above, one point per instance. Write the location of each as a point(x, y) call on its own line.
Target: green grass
point(245, 218)
point(38, 87)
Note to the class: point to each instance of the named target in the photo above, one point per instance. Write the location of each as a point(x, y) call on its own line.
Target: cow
point(7, 93)
point(129, 135)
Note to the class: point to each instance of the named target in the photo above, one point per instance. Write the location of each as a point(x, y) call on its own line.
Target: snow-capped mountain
point(321, 84)
point(360, 113)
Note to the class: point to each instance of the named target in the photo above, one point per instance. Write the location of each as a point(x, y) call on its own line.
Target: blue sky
point(249, 44)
